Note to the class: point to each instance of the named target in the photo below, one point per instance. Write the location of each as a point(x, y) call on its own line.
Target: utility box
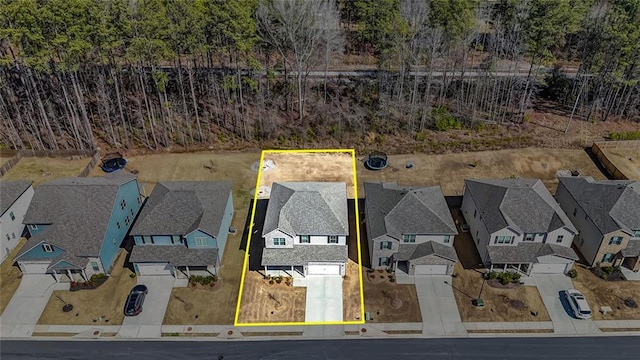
point(478, 302)
point(367, 316)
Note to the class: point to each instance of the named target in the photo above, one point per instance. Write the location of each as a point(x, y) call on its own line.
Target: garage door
point(430, 269)
point(155, 269)
point(34, 268)
point(325, 269)
point(548, 268)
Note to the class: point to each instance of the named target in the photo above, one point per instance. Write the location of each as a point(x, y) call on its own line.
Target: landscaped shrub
point(508, 276)
point(493, 275)
point(203, 280)
point(97, 277)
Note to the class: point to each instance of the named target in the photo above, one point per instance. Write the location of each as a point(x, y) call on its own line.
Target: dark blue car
point(133, 306)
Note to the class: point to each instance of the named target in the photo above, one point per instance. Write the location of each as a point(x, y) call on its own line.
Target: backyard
point(625, 160)
point(41, 169)
point(389, 302)
point(10, 276)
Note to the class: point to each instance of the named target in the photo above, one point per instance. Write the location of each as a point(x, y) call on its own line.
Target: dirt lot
point(264, 302)
point(106, 301)
point(626, 160)
point(41, 169)
point(10, 277)
point(310, 167)
point(351, 293)
point(501, 305)
point(388, 302)
point(4, 159)
point(450, 170)
point(608, 293)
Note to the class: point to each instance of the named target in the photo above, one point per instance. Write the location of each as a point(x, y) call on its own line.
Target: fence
point(17, 155)
point(608, 164)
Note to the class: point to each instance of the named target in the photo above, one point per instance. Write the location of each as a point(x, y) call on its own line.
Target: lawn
point(625, 160)
point(10, 276)
point(388, 302)
point(4, 159)
point(41, 169)
point(351, 310)
point(601, 292)
point(102, 305)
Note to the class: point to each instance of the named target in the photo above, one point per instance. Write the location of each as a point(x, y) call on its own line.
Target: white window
point(559, 238)
point(615, 240)
point(201, 242)
point(447, 238)
point(279, 242)
point(47, 248)
point(94, 266)
point(607, 258)
point(636, 233)
point(385, 245)
point(503, 240)
point(304, 239)
point(33, 227)
point(333, 239)
point(528, 237)
point(383, 261)
point(409, 238)
point(13, 217)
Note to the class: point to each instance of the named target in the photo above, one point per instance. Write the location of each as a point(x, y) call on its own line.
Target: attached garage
point(34, 268)
point(550, 268)
point(429, 269)
point(155, 269)
point(324, 269)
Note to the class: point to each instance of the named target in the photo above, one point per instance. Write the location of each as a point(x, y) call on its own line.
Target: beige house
point(607, 215)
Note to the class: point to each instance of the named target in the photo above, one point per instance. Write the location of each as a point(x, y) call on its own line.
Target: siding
point(605, 248)
point(320, 240)
point(34, 232)
point(223, 232)
point(377, 253)
point(14, 228)
point(39, 253)
point(191, 240)
point(89, 269)
point(477, 228)
point(268, 239)
point(431, 237)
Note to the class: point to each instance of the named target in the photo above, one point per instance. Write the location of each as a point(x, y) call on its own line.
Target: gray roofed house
point(15, 196)
point(607, 213)
point(305, 229)
point(10, 191)
point(516, 224)
point(409, 228)
point(183, 227)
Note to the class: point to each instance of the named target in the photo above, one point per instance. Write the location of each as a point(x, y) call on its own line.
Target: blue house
point(183, 227)
point(78, 224)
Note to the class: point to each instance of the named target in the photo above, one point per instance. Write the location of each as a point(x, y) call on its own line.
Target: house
point(15, 196)
point(305, 229)
point(409, 229)
point(517, 225)
point(77, 225)
point(183, 228)
point(607, 214)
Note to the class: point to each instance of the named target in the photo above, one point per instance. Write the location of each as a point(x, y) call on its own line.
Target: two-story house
point(183, 228)
point(517, 225)
point(305, 229)
point(607, 214)
point(409, 229)
point(77, 225)
point(15, 197)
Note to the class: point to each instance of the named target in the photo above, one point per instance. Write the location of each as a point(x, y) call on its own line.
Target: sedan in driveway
point(133, 306)
point(578, 304)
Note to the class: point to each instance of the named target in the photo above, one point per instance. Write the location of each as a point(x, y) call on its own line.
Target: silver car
point(578, 304)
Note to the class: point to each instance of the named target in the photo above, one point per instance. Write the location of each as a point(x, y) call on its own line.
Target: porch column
point(55, 275)
point(187, 269)
point(505, 267)
point(84, 275)
point(70, 275)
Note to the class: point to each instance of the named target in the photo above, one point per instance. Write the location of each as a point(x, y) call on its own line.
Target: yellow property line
point(248, 246)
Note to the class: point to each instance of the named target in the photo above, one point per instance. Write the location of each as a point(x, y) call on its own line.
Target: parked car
point(133, 306)
point(578, 304)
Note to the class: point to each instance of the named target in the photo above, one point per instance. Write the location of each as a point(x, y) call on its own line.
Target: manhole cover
point(629, 302)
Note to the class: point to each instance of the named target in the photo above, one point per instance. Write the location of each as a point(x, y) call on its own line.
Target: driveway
point(149, 323)
point(551, 288)
point(23, 311)
point(324, 298)
point(440, 314)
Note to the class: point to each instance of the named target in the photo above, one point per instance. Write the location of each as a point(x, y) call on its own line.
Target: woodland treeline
point(75, 74)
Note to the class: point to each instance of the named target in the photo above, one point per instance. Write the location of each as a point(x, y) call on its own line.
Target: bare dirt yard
point(601, 292)
point(103, 305)
point(326, 167)
point(388, 302)
point(41, 169)
point(450, 170)
point(351, 310)
point(4, 159)
point(626, 160)
point(10, 276)
point(266, 302)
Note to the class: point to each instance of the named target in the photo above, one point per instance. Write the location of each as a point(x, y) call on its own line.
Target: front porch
point(185, 272)
point(522, 268)
point(69, 275)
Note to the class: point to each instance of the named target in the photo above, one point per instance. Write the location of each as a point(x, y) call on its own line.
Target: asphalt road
point(619, 348)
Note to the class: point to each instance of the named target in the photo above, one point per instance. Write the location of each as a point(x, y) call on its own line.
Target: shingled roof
point(611, 204)
point(177, 255)
point(10, 191)
point(77, 211)
point(307, 208)
point(522, 204)
point(416, 251)
point(180, 207)
point(528, 252)
point(301, 255)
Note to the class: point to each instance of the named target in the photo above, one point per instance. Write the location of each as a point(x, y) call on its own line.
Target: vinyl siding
point(39, 253)
point(14, 228)
point(223, 232)
point(191, 240)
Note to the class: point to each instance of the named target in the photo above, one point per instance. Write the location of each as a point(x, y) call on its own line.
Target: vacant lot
point(265, 302)
point(608, 293)
point(329, 167)
point(41, 169)
point(105, 302)
point(388, 302)
point(626, 160)
point(450, 170)
point(10, 276)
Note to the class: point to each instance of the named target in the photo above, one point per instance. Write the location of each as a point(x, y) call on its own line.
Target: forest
point(156, 74)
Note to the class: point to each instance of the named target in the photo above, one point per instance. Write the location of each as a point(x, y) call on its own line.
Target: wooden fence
point(608, 164)
point(17, 155)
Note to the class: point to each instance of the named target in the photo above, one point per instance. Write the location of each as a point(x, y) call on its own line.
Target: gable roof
point(522, 204)
point(78, 211)
point(528, 252)
point(307, 208)
point(416, 251)
point(10, 191)
point(611, 204)
point(180, 207)
point(394, 210)
point(177, 255)
point(302, 255)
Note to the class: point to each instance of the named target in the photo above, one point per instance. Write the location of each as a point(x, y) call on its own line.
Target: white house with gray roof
point(409, 229)
point(183, 228)
point(15, 197)
point(517, 225)
point(305, 229)
point(607, 213)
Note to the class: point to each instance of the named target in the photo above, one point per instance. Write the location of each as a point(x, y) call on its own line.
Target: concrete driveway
point(551, 288)
point(439, 310)
point(25, 307)
point(324, 298)
point(149, 323)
